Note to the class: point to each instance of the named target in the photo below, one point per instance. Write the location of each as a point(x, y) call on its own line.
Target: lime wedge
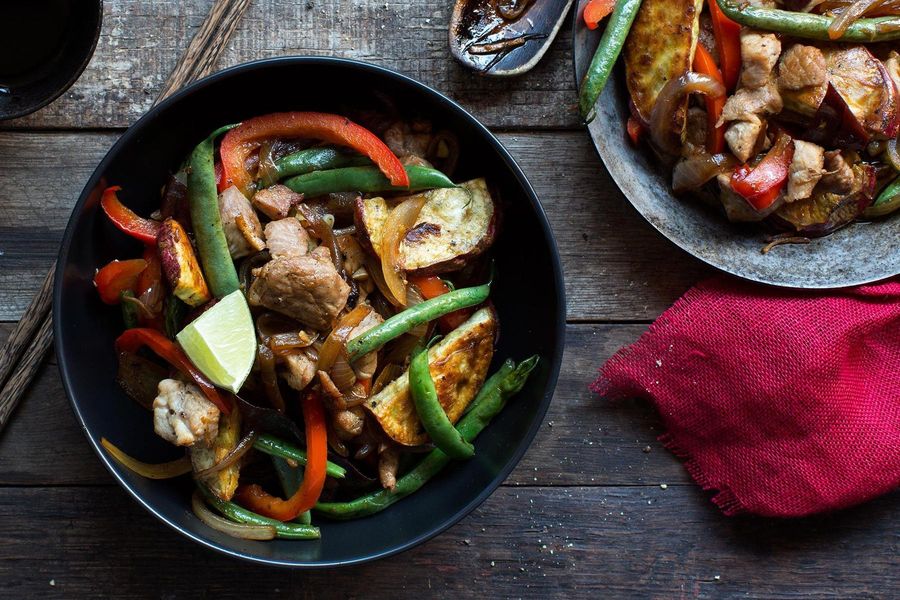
point(222, 342)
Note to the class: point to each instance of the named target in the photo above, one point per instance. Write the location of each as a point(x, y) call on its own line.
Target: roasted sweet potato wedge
point(179, 264)
point(223, 483)
point(454, 226)
point(459, 365)
point(660, 47)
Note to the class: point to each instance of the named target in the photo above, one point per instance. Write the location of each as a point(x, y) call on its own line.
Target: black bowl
point(56, 65)
point(528, 293)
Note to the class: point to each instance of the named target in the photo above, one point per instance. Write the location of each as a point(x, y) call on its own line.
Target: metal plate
point(859, 253)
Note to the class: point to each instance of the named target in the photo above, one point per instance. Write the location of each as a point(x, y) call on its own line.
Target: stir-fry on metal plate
point(859, 253)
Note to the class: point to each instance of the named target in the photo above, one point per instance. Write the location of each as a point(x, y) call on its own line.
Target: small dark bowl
point(859, 253)
point(528, 294)
point(27, 92)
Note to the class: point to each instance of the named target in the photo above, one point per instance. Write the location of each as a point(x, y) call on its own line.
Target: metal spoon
point(504, 37)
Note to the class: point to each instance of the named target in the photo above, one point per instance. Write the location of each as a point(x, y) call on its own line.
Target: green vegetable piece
point(276, 447)
point(414, 316)
point(605, 57)
point(316, 159)
point(431, 413)
point(239, 514)
point(365, 179)
point(810, 26)
point(290, 478)
point(129, 309)
point(486, 405)
point(174, 311)
point(203, 201)
point(887, 202)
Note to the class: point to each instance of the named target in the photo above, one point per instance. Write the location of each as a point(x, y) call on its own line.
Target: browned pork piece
point(807, 168)
point(300, 369)
point(286, 237)
point(306, 288)
point(242, 237)
point(756, 97)
point(277, 201)
point(182, 415)
point(800, 67)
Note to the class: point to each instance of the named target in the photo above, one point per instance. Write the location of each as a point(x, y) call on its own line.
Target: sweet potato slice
point(459, 365)
point(660, 47)
point(454, 226)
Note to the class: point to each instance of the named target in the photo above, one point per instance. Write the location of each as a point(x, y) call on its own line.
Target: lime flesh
point(222, 342)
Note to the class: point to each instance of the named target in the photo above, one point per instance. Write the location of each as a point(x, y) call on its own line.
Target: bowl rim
point(69, 82)
point(302, 61)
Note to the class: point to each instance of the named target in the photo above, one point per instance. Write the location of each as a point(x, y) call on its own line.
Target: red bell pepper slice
point(431, 286)
point(335, 129)
point(254, 498)
point(715, 136)
point(125, 219)
point(635, 130)
point(597, 10)
point(761, 185)
point(117, 277)
point(728, 43)
point(133, 339)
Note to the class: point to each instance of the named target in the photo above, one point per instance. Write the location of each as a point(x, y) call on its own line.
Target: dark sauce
point(32, 35)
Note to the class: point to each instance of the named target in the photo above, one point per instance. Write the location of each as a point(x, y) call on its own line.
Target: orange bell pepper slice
point(715, 136)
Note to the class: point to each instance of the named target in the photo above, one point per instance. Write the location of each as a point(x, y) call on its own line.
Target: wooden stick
point(24, 350)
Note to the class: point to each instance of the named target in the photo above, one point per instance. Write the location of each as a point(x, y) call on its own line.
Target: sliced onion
point(282, 344)
point(389, 373)
point(232, 457)
point(265, 362)
point(892, 154)
point(245, 271)
point(342, 373)
point(413, 297)
point(165, 470)
point(668, 103)
point(400, 220)
point(850, 15)
point(238, 530)
point(692, 172)
point(337, 339)
point(267, 171)
point(356, 396)
point(375, 271)
point(322, 228)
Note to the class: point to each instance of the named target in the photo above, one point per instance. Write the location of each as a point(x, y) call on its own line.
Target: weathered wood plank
point(616, 266)
point(583, 441)
point(142, 39)
point(589, 542)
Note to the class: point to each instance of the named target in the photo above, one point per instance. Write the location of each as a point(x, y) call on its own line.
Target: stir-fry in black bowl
point(527, 293)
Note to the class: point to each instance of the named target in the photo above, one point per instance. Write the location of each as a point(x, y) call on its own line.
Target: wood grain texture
point(585, 542)
point(583, 440)
point(616, 266)
point(142, 39)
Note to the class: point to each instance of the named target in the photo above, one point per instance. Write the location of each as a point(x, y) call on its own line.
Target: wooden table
point(596, 508)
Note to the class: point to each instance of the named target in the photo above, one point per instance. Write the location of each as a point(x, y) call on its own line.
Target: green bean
point(810, 26)
point(173, 314)
point(365, 179)
point(887, 202)
point(316, 159)
point(277, 447)
point(414, 316)
point(239, 514)
point(203, 201)
point(606, 55)
point(431, 413)
point(487, 404)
